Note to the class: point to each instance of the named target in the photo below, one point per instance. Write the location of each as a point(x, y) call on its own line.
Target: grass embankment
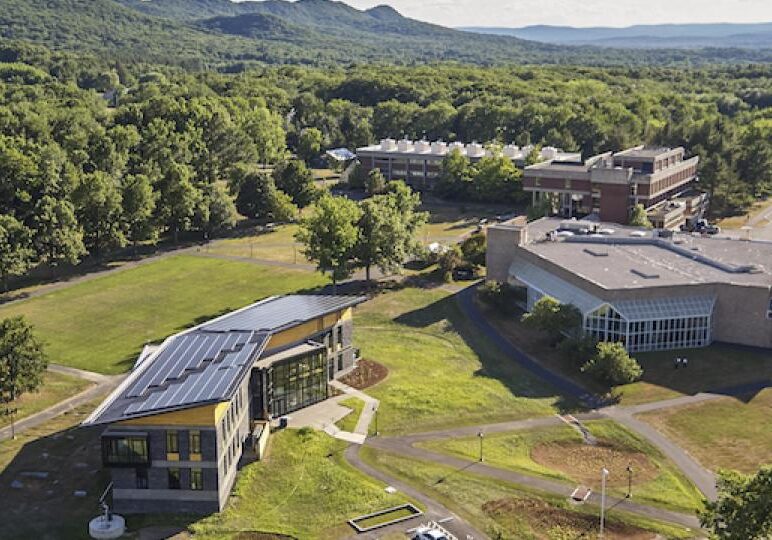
point(277, 245)
point(55, 388)
point(102, 324)
point(442, 373)
point(741, 220)
point(349, 422)
point(504, 510)
point(304, 488)
point(71, 460)
point(726, 433)
point(560, 453)
point(711, 368)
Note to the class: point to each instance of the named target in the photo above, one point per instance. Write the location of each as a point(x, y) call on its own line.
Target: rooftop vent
point(644, 275)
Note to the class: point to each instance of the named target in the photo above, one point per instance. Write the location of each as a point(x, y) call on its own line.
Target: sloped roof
point(206, 364)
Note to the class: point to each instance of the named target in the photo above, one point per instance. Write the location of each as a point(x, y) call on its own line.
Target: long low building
point(178, 425)
point(418, 163)
point(610, 184)
point(647, 289)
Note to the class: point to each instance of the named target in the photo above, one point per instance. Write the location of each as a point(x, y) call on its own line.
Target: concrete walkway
point(102, 385)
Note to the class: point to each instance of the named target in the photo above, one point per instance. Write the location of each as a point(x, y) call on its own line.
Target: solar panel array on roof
point(276, 313)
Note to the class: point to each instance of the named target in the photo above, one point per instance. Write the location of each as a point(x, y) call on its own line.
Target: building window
point(196, 480)
point(174, 478)
point(127, 451)
point(172, 442)
point(340, 362)
point(141, 477)
point(340, 337)
point(194, 437)
point(769, 309)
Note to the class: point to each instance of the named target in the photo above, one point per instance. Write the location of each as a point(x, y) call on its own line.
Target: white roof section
point(440, 149)
point(645, 309)
point(551, 285)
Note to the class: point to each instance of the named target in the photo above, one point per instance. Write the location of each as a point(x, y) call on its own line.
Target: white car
point(428, 533)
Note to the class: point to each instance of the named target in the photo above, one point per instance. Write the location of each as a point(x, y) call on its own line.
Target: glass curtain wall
point(298, 382)
point(650, 334)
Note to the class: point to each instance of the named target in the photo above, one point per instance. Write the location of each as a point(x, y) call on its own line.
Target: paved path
point(434, 511)
point(102, 385)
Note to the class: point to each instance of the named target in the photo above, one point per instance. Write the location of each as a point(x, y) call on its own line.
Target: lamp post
point(481, 435)
point(603, 475)
point(629, 481)
point(375, 412)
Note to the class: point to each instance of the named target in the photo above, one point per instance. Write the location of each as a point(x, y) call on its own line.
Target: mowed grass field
point(560, 453)
point(102, 324)
point(441, 372)
point(724, 434)
point(304, 488)
point(504, 510)
point(55, 388)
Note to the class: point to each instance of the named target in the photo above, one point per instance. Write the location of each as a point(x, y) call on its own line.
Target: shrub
point(612, 364)
point(553, 318)
point(578, 349)
point(503, 297)
point(473, 249)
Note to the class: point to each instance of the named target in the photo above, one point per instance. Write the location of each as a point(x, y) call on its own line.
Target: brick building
point(610, 184)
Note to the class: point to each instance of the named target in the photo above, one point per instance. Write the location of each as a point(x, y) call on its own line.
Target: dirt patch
point(583, 462)
point(365, 374)
point(549, 522)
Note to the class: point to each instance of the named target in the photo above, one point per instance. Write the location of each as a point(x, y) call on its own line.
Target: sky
point(516, 13)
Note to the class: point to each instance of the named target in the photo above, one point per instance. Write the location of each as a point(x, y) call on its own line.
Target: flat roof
point(207, 363)
point(646, 152)
point(630, 257)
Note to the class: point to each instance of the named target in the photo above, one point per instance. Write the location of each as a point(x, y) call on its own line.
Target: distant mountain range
point(319, 32)
point(683, 36)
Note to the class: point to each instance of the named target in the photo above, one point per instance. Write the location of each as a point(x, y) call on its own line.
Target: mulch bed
point(544, 518)
point(365, 374)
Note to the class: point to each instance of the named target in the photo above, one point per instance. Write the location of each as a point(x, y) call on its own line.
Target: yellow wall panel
point(303, 331)
point(207, 415)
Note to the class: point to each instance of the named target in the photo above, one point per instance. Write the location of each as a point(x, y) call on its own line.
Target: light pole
point(481, 435)
point(603, 475)
point(629, 481)
point(375, 412)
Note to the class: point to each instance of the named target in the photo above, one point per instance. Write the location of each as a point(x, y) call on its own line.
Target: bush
point(503, 297)
point(553, 318)
point(612, 364)
point(473, 249)
point(449, 261)
point(578, 349)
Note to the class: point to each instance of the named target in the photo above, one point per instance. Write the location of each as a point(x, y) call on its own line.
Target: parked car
point(464, 273)
point(428, 533)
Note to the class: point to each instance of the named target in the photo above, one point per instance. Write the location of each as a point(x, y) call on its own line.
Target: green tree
point(99, 210)
point(293, 178)
point(22, 359)
point(221, 211)
point(613, 365)
point(138, 205)
point(455, 176)
point(473, 249)
point(179, 200)
point(448, 261)
point(375, 183)
point(553, 318)
point(329, 235)
point(357, 179)
point(743, 509)
point(58, 237)
point(496, 178)
point(638, 217)
point(310, 144)
point(16, 253)
point(258, 198)
point(264, 129)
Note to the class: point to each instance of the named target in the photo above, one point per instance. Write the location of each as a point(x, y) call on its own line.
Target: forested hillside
point(78, 177)
point(207, 33)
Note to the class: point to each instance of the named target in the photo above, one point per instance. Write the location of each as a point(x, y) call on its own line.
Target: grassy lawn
point(735, 222)
point(441, 372)
point(102, 324)
point(349, 422)
point(55, 388)
point(559, 453)
point(711, 368)
point(504, 510)
point(726, 433)
point(447, 224)
point(277, 245)
point(303, 488)
point(46, 508)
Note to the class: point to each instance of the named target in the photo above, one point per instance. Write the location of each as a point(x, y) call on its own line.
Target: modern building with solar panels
point(193, 406)
point(650, 290)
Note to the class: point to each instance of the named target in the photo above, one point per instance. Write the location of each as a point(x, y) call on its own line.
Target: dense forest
point(168, 151)
point(200, 33)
